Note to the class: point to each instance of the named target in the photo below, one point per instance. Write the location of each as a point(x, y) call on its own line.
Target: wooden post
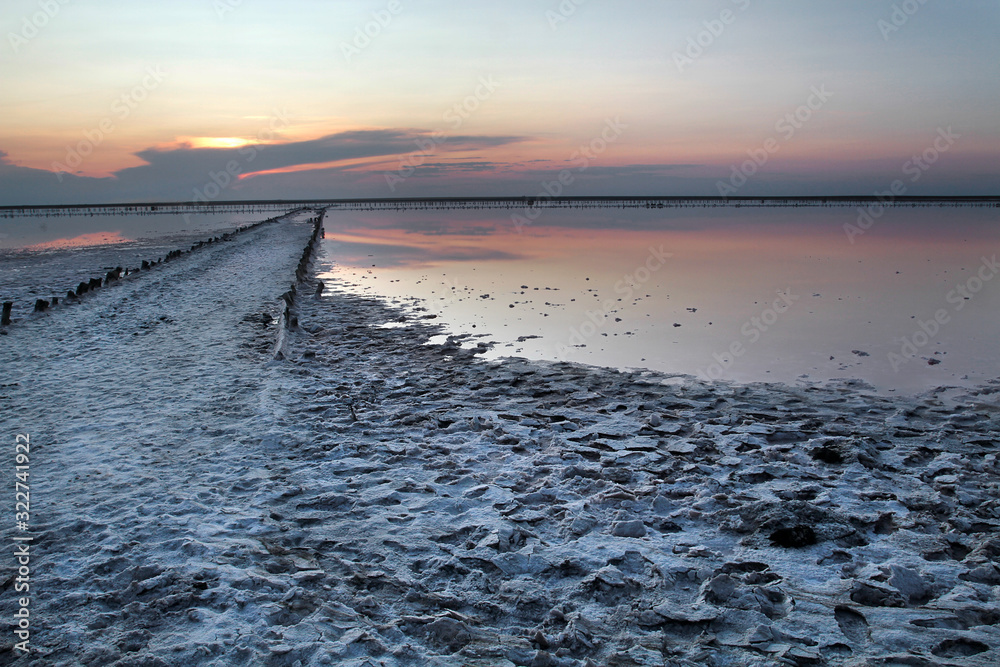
point(5, 318)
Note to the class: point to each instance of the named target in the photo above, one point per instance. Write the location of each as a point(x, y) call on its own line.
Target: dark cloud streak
point(177, 174)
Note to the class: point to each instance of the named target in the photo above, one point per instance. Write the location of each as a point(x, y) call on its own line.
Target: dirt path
point(142, 403)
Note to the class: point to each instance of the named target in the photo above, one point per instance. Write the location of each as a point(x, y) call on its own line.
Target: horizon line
point(533, 201)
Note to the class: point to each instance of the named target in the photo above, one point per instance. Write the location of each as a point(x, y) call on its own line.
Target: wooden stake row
point(116, 274)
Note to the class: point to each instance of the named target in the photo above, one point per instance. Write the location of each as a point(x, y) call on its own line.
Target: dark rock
point(910, 584)
point(453, 634)
point(837, 650)
point(876, 596)
point(803, 656)
point(853, 624)
point(828, 454)
point(795, 537)
point(944, 623)
point(984, 574)
point(959, 648)
point(687, 614)
point(772, 602)
point(629, 529)
point(719, 589)
point(885, 524)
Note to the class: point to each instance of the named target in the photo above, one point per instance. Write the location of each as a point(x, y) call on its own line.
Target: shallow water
point(76, 231)
point(738, 294)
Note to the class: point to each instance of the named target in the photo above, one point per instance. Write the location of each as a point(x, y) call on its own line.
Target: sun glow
point(213, 142)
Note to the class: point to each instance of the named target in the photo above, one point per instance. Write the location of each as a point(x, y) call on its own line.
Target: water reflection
point(33, 232)
point(81, 241)
point(773, 294)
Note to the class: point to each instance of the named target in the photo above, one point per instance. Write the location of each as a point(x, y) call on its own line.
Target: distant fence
point(67, 210)
point(545, 201)
point(516, 202)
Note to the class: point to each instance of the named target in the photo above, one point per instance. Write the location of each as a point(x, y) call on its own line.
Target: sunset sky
point(154, 101)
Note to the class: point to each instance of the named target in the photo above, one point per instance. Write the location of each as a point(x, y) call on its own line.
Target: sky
point(211, 100)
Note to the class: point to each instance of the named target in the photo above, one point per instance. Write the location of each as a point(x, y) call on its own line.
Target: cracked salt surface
point(372, 500)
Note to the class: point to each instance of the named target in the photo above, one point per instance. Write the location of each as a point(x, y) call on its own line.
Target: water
point(737, 294)
point(782, 294)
